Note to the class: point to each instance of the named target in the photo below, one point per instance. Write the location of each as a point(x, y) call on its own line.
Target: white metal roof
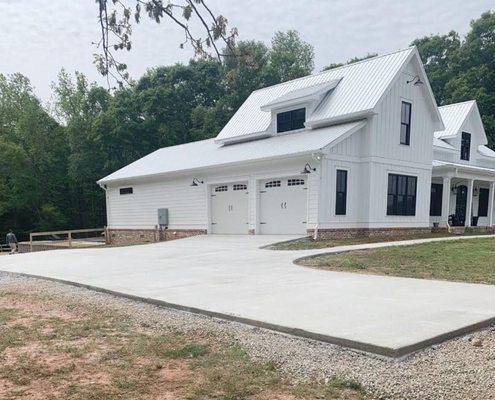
point(442, 143)
point(361, 87)
point(462, 167)
point(453, 116)
point(485, 151)
point(310, 93)
point(207, 153)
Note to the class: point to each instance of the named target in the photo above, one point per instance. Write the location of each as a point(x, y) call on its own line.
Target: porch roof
point(441, 168)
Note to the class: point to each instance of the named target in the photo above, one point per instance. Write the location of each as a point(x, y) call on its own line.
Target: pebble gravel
point(462, 368)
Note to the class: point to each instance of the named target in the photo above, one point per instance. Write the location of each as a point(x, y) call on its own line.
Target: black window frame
point(483, 207)
point(466, 146)
point(126, 190)
point(291, 120)
point(400, 202)
point(341, 178)
point(436, 199)
point(405, 123)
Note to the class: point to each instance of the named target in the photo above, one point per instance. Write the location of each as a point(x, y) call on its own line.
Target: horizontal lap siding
point(186, 204)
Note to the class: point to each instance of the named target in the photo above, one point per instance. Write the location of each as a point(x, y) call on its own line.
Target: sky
point(39, 37)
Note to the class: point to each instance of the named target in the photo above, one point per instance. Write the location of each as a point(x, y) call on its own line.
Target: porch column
point(491, 201)
point(445, 201)
point(469, 205)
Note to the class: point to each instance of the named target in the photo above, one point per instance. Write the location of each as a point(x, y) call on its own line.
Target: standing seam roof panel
point(363, 83)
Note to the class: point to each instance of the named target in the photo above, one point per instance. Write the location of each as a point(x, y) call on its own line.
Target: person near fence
point(12, 241)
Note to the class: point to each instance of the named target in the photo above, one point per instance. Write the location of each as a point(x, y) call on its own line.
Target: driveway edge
point(351, 344)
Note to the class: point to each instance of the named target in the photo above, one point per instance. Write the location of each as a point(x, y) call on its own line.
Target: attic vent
point(295, 182)
point(240, 187)
point(221, 189)
point(272, 184)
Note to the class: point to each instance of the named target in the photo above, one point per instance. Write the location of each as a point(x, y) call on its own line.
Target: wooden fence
point(69, 233)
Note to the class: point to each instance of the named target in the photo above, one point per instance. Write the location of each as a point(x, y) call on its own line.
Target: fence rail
point(69, 234)
point(4, 248)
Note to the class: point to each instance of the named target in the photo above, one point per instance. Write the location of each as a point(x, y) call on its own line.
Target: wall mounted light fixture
point(307, 169)
point(416, 81)
point(196, 181)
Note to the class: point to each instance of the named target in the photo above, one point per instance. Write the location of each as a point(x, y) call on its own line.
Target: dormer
point(290, 110)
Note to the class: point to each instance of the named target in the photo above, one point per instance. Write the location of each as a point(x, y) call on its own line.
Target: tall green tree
point(33, 161)
point(464, 69)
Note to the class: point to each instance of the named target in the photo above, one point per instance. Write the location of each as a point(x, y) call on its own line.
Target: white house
point(349, 151)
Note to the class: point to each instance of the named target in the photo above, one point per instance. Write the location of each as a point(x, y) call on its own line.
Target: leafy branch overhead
point(208, 34)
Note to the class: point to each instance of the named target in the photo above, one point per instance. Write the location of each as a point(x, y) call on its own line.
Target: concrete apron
point(464, 318)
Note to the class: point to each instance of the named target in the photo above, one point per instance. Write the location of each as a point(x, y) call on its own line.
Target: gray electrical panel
point(163, 216)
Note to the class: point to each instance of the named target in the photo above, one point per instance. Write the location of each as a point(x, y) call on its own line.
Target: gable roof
point(453, 116)
point(207, 153)
point(360, 87)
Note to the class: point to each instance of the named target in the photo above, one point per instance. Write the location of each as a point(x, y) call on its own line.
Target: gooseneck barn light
point(416, 81)
point(196, 181)
point(307, 169)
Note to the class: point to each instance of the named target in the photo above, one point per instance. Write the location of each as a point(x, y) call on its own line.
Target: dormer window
point(465, 146)
point(291, 120)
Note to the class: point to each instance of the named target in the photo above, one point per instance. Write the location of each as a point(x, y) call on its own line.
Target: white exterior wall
point(382, 154)
point(189, 207)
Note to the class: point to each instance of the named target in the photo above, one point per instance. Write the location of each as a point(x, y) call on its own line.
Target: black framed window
point(401, 198)
point(465, 146)
point(291, 120)
point(436, 199)
point(483, 202)
point(405, 123)
point(341, 192)
point(126, 190)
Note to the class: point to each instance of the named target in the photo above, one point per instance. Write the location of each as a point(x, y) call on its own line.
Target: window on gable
point(291, 120)
point(401, 197)
point(405, 123)
point(436, 199)
point(126, 190)
point(483, 202)
point(465, 146)
point(272, 184)
point(222, 188)
point(341, 193)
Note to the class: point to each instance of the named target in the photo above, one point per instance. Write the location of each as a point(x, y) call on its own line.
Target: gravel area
point(462, 368)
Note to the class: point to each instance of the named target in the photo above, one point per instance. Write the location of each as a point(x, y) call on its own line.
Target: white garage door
point(229, 208)
point(283, 206)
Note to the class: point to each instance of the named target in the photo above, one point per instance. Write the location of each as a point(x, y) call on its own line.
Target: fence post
point(30, 242)
point(70, 239)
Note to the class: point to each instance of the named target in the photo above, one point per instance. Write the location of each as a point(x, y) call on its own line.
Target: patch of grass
point(7, 314)
point(187, 351)
point(461, 260)
point(25, 370)
point(309, 244)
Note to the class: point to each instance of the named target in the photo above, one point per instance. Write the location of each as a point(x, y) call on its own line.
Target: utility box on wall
point(163, 217)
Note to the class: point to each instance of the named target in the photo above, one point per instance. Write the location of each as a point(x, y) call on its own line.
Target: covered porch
point(462, 196)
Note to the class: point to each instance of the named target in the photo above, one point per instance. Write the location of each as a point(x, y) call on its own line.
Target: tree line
point(52, 156)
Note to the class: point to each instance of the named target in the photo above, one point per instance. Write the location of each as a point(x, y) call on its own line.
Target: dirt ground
point(52, 348)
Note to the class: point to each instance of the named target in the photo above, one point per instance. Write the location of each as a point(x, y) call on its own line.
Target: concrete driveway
point(231, 277)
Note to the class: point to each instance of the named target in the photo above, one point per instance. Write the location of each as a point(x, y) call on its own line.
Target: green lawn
point(308, 244)
point(460, 260)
